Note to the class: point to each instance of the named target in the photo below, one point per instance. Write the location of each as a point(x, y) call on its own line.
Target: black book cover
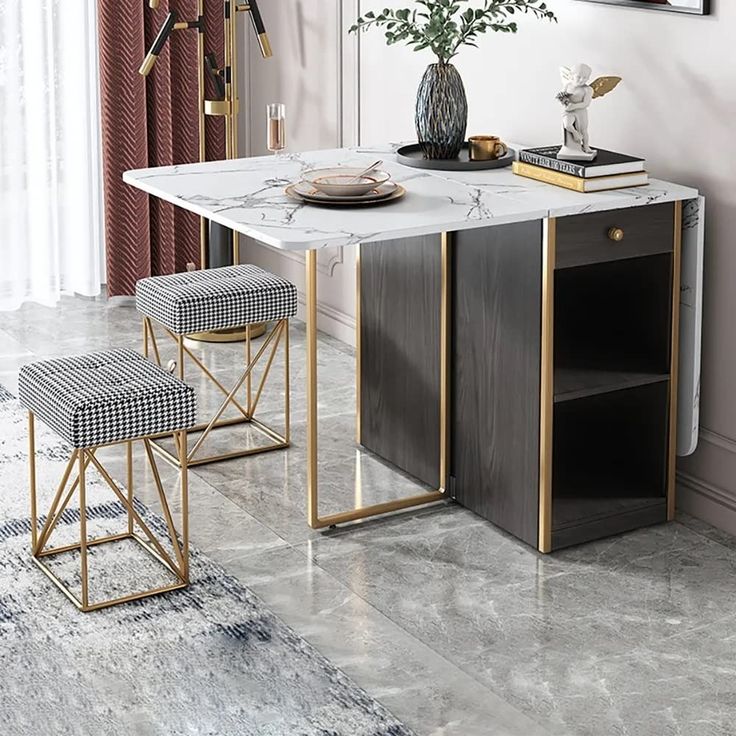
point(606, 163)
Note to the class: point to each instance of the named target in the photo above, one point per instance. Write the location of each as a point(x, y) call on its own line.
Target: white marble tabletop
point(247, 195)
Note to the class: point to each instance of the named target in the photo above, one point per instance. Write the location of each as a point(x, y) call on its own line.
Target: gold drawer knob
point(616, 234)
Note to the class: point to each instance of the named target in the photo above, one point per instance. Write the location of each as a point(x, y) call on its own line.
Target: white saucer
point(307, 191)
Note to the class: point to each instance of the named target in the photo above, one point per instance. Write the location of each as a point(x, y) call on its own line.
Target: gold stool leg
point(32, 477)
point(129, 463)
point(287, 385)
point(248, 356)
point(150, 336)
point(83, 528)
point(81, 458)
point(184, 474)
point(57, 510)
point(180, 356)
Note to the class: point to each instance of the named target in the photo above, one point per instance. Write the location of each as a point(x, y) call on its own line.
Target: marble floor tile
point(214, 520)
point(457, 627)
point(680, 686)
point(416, 683)
point(539, 631)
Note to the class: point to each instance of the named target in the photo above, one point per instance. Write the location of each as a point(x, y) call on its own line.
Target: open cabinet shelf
point(572, 383)
point(611, 397)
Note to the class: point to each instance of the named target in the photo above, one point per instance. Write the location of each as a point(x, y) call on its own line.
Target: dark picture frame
point(673, 6)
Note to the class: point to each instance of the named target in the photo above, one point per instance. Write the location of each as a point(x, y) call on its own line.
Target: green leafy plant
point(444, 26)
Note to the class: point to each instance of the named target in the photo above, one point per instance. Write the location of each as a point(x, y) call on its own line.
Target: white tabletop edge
point(452, 201)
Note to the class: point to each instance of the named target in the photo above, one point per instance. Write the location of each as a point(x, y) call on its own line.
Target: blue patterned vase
point(442, 112)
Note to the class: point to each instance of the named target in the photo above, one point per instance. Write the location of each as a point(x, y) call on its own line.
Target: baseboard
point(331, 321)
point(715, 438)
point(706, 501)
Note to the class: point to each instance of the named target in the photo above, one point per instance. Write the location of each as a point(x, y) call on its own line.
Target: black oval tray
point(412, 155)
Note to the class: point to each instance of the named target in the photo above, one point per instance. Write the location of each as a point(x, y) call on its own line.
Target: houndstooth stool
point(184, 304)
point(97, 400)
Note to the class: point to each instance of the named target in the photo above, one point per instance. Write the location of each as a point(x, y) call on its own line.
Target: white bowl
point(342, 182)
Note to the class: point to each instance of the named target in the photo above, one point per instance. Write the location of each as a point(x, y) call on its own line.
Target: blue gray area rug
point(210, 660)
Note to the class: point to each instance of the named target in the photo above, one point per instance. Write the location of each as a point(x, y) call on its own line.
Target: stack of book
point(609, 170)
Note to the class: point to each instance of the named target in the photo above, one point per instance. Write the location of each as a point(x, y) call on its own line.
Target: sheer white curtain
point(51, 235)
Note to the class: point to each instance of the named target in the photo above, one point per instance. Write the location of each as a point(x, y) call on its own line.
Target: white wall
point(307, 73)
point(676, 107)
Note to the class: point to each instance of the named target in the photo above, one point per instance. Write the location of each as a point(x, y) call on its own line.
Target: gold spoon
point(373, 166)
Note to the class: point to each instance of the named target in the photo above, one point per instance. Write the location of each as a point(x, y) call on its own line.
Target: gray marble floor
point(456, 627)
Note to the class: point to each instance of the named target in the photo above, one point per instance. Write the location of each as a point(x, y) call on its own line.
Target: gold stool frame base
point(112, 601)
point(82, 458)
point(280, 441)
point(239, 334)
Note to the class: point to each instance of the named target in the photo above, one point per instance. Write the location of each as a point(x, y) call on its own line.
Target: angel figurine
point(576, 96)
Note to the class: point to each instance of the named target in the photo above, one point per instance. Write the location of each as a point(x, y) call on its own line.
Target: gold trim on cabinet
point(314, 519)
point(674, 362)
point(445, 309)
point(546, 398)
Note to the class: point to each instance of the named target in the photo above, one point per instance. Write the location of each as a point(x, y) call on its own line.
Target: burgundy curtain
point(150, 121)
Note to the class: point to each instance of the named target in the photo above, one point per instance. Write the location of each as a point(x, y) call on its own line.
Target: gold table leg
point(314, 519)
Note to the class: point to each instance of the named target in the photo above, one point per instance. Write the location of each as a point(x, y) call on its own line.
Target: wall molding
point(327, 259)
point(710, 491)
point(702, 498)
point(717, 439)
point(706, 501)
point(333, 321)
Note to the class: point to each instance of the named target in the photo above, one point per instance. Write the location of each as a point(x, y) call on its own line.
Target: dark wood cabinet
point(494, 430)
point(562, 369)
point(614, 235)
point(399, 377)
point(613, 373)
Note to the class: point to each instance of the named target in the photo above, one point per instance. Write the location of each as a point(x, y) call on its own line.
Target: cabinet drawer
point(615, 234)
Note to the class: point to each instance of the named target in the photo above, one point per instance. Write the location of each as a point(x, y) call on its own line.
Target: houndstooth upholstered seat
point(215, 298)
point(105, 397)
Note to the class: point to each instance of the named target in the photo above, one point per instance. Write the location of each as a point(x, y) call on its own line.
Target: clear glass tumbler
point(276, 127)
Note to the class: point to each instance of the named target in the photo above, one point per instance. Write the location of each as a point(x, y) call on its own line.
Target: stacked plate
point(345, 187)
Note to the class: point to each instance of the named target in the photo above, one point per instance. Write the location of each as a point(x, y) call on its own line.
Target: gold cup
point(486, 148)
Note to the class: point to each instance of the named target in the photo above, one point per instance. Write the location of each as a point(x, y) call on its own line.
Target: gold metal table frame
point(313, 516)
point(175, 562)
point(549, 246)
